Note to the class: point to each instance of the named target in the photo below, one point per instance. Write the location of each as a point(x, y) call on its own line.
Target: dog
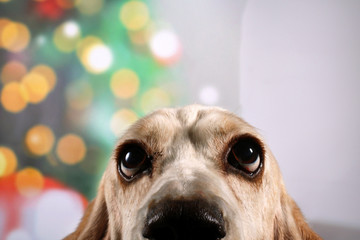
point(192, 173)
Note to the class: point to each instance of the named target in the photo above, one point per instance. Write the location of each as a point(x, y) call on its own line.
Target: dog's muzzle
point(180, 219)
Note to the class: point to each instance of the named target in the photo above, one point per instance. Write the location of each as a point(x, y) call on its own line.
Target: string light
point(15, 36)
point(165, 46)
point(134, 15)
point(121, 120)
point(39, 140)
point(209, 95)
point(37, 87)
point(94, 55)
point(71, 149)
point(48, 73)
point(14, 97)
point(124, 83)
point(8, 161)
point(67, 36)
point(29, 182)
point(153, 99)
point(13, 71)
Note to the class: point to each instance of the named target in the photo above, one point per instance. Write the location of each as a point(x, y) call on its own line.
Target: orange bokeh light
point(39, 140)
point(29, 181)
point(36, 86)
point(14, 97)
point(15, 36)
point(13, 71)
point(8, 161)
point(48, 73)
point(71, 149)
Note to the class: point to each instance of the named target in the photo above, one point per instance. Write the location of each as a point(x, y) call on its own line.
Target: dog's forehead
point(199, 124)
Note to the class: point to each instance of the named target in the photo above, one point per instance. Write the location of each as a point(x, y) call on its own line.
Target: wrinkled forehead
point(198, 124)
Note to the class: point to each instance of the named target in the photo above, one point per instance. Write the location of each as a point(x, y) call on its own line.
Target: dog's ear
point(94, 224)
point(292, 225)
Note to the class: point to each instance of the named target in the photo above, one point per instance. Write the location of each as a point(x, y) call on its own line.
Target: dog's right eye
point(132, 160)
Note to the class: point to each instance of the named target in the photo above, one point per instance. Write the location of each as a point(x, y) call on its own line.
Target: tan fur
point(188, 146)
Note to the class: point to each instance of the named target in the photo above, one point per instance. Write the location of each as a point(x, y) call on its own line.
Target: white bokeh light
point(164, 44)
point(57, 213)
point(71, 29)
point(99, 58)
point(209, 95)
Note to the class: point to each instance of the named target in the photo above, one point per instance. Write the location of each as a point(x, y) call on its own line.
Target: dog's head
point(192, 173)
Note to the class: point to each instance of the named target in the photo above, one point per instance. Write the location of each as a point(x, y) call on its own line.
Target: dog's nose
point(184, 219)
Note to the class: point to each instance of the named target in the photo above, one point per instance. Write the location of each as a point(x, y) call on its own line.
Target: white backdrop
point(300, 84)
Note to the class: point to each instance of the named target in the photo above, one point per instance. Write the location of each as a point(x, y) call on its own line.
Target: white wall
point(300, 85)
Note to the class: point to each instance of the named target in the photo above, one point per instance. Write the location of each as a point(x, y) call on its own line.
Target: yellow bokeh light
point(124, 83)
point(36, 86)
point(39, 140)
point(71, 149)
point(153, 99)
point(5, 1)
point(94, 55)
point(15, 37)
point(89, 7)
point(29, 182)
point(48, 73)
point(8, 161)
point(14, 97)
point(121, 120)
point(13, 71)
point(134, 15)
point(79, 94)
point(67, 36)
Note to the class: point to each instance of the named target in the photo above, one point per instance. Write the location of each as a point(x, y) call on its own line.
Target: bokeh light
point(14, 97)
point(124, 83)
point(79, 94)
point(4, 1)
point(71, 149)
point(94, 55)
point(15, 36)
point(46, 72)
point(37, 87)
point(29, 182)
point(57, 213)
point(67, 36)
point(153, 99)
point(165, 46)
point(3, 23)
point(134, 15)
point(209, 95)
point(13, 71)
point(39, 140)
point(89, 7)
point(8, 161)
point(121, 120)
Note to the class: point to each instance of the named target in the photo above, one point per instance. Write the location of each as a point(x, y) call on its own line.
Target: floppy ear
point(94, 224)
point(292, 225)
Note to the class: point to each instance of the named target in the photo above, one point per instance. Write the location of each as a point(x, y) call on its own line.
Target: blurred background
point(76, 73)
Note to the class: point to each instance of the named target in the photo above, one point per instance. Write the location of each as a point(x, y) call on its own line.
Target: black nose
point(184, 219)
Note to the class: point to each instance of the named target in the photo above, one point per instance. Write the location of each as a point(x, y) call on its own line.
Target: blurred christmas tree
point(74, 75)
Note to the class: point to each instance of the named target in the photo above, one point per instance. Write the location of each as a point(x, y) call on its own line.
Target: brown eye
point(132, 160)
point(245, 155)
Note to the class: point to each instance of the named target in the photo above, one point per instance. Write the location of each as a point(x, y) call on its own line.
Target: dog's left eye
point(246, 156)
point(131, 161)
